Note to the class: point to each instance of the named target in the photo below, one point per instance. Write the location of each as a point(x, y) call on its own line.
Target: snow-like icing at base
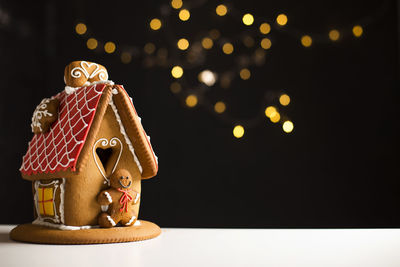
point(73, 228)
point(60, 226)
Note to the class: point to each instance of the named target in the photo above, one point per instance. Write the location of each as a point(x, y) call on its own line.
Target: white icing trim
point(123, 132)
point(137, 223)
point(111, 220)
point(62, 190)
point(60, 226)
point(69, 90)
point(131, 220)
point(108, 82)
point(104, 208)
point(109, 198)
point(105, 142)
point(136, 198)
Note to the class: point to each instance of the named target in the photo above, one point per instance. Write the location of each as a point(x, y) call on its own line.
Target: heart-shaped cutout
point(102, 151)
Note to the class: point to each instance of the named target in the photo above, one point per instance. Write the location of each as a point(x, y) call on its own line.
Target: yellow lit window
point(46, 201)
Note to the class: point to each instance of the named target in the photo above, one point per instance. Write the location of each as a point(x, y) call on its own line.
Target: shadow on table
point(5, 237)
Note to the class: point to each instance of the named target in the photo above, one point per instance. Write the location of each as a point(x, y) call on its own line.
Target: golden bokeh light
point(265, 28)
point(155, 24)
point(175, 87)
point(248, 19)
point(238, 131)
point(357, 30)
point(183, 44)
point(334, 35)
point(91, 43)
point(177, 4)
point(266, 43)
point(80, 28)
point(245, 74)
point(191, 101)
point(220, 107)
point(281, 19)
point(288, 126)
point(284, 100)
point(207, 43)
point(184, 14)
point(177, 72)
point(306, 40)
point(126, 57)
point(149, 48)
point(227, 48)
point(109, 47)
point(275, 117)
point(221, 10)
point(269, 111)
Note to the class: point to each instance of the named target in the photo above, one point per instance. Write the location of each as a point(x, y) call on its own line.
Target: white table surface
point(219, 247)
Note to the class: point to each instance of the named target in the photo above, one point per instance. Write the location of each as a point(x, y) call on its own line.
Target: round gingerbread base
point(33, 233)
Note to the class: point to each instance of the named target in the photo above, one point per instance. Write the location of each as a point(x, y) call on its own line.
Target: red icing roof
point(59, 149)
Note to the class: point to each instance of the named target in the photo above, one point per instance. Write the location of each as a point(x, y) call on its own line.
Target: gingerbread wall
point(81, 207)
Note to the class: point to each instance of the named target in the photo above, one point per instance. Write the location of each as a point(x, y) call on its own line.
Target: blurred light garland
point(195, 49)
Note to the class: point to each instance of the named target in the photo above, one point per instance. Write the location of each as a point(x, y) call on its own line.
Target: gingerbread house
point(96, 130)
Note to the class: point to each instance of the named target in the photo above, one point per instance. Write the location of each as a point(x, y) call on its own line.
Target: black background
point(338, 168)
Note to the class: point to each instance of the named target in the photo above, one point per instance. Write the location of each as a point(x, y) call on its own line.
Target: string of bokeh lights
point(206, 77)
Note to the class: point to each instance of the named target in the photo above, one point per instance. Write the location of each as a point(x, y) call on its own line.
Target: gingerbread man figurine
point(120, 198)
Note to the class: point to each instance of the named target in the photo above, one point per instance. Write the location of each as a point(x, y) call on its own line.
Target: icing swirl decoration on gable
point(84, 73)
point(44, 115)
